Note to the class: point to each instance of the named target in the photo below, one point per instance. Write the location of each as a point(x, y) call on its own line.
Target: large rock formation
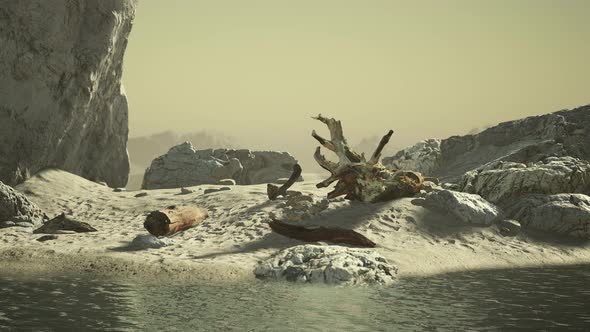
point(16, 209)
point(61, 99)
point(183, 166)
point(501, 181)
point(527, 140)
point(327, 264)
point(468, 208)
point(566, 214)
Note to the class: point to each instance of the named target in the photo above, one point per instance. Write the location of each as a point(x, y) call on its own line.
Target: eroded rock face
point(567, 214)
point(17, 210)
point(423, 157)
point(183, 166)
point(61, 99)
point(468, 208)
point(327, 264)
point(499, 182)
point(563, 133)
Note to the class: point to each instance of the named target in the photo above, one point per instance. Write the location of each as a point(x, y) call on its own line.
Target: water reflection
point(538, 298)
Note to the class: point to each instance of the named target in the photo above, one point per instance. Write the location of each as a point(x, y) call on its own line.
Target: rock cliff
point(61, 99)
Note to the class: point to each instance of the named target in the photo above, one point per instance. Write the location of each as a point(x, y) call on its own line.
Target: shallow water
point(555, 298)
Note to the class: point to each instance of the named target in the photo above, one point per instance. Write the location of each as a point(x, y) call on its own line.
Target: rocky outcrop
point(500, 181)
point(17, 210)
point(61, 99)
point(468, 208)
point(423, 157)
point(327, 264)
point(567, 214)
point(563, 133)
point(183, 166)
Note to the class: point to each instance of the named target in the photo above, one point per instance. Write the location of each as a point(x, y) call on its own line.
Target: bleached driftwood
point(174, 219)
point(357, 178)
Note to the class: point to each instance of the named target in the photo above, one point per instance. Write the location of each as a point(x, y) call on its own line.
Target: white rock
point(148, 241)
point(567, 214)
point(499, 182)
point(185, 166)
point(62, 103)
point(327, 264)
point(424, 157)
point(466, 207)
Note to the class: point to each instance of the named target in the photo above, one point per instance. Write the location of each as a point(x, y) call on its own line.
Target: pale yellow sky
point(257, 70)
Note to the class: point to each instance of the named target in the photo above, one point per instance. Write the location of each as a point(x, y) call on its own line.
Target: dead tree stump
point(360, 179)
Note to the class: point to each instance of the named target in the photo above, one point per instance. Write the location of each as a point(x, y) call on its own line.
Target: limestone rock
point(423, 157)
point(499, 182)
point(17, 208)
point(327, 264)
point(185, 166)
point(563, 133)
point(567, 214)
point(61, 99)
point(148, 241)
point(466, 207)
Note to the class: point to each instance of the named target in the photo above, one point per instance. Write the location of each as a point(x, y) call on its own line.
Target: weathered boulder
point(567, 214)
point(17, 210)
point(468, 208)
point(563, 133)
point(183, 166)
point(327, 264)
point(501, 181)
point(61, 100)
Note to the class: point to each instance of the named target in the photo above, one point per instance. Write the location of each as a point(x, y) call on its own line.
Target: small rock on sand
point(186, 191)
point(142, 194)
point(148, 241)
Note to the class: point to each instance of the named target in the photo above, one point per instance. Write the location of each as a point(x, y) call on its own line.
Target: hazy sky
point(257, 70)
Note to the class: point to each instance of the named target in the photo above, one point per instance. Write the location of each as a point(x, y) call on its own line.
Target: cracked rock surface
point(184, 166)
point(327, 264)
point(62, 103)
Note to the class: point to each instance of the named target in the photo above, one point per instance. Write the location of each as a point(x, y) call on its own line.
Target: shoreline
point(227, 246)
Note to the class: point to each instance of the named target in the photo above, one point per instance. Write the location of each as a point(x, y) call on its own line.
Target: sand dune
point(228, 245)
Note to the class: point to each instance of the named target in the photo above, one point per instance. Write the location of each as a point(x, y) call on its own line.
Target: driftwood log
point(174, 219)
point(360, 179)
point(324, 234)
point(63, 223)
point(274, 191)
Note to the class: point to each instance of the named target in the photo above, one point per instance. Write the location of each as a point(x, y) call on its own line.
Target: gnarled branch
point(324, 234)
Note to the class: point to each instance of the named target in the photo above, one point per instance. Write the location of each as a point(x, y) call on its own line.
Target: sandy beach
point(228, 245)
